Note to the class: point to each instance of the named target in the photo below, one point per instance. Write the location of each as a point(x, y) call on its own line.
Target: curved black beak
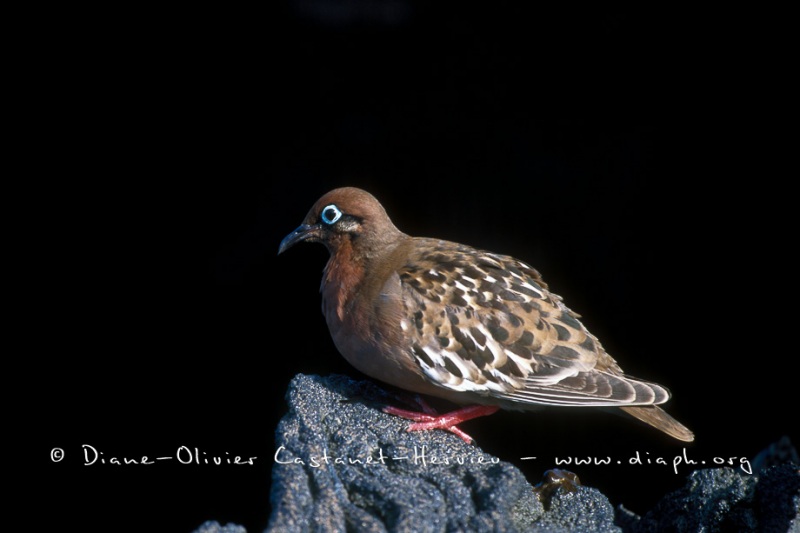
point(304, 232)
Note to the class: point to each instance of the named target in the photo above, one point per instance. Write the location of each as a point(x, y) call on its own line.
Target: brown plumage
point(447, 320)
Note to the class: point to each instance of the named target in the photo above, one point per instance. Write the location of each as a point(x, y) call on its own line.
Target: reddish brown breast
point(340, 281)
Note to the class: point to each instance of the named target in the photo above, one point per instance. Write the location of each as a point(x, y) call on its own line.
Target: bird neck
point(351, 269)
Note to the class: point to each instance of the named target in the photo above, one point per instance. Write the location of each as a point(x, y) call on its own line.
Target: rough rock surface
point(343, 465)
point(216, 527)
point(376, 479)
point(723, 499)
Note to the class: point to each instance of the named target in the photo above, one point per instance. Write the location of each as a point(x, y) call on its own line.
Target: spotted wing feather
point(486, 323)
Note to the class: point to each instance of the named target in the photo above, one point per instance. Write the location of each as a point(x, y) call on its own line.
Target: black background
point(641, 160)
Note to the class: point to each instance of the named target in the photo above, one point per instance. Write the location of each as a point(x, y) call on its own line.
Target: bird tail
point(659, 419)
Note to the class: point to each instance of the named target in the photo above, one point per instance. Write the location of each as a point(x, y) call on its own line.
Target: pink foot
point(448, 421)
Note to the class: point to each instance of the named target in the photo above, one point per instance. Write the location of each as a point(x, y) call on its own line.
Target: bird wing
point(486, 323)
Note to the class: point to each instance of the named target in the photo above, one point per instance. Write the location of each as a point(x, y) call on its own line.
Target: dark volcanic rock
point(343, 465)
point(777, 453)
point(723, 499)
point(216, 527)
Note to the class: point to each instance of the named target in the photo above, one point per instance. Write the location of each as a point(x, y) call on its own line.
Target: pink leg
point(448, 421)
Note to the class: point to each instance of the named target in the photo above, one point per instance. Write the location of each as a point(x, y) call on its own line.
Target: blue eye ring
point(330, 214)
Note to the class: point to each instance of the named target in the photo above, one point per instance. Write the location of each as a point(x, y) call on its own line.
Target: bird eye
point(331, 214)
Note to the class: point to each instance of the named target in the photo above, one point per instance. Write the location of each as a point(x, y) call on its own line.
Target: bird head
point(346, 215)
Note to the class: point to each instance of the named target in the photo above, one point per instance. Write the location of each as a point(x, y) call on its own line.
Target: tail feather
point(659, 419)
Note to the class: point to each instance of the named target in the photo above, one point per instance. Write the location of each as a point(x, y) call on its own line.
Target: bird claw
point(424, 426)
point(424, 422)
point(448, 421)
